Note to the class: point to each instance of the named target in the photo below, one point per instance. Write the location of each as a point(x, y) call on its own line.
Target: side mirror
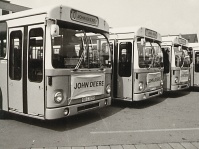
point(143, 41)
point(54, 30)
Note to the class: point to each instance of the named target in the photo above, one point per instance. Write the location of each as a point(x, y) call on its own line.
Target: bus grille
point(154, 93)
point(82, 108)
point(184, 86)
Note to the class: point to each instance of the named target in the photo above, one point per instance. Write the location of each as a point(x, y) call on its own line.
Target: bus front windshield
point(150, 54)
point(76, 49)
point(182, 58)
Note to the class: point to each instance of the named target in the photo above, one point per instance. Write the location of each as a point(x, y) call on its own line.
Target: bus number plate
point(89, 98)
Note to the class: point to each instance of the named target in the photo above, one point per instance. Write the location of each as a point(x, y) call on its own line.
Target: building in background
point(6, 7)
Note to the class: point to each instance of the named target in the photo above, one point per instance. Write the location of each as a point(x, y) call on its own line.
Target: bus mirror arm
point(54, 30)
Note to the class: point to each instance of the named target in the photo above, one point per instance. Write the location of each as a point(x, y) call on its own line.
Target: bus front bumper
point(147, 95)
point(55, 113)
point(179, 87)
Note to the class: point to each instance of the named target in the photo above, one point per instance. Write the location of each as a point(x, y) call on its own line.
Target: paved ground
point(167, 122)
point(183, 145)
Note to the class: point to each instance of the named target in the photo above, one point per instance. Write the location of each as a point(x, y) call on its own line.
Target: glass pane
point(35, 55)
point(80, 49)
point(3, 36)
point(197, 62)
point(15, 64)
point(150, 54)
point(166, 62)
point(182, 58)
point(125, 54)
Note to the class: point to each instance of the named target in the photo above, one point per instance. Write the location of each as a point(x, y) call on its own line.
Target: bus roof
point(64, 13)
point(194, 46)
point(175, 39)
point(137, 31)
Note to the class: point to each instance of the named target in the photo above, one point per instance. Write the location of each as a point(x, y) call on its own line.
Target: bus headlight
point(58, 97)
point(161, 83)
point(141, 86)
point(108, 89)
point(176, 79)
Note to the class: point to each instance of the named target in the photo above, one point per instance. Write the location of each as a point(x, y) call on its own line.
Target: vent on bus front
point(184, 86)
point(82, 108)
point(154, 93)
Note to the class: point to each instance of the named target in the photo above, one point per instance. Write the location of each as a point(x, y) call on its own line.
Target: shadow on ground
point(67, 123)
point(139, 104)
point(176, 94)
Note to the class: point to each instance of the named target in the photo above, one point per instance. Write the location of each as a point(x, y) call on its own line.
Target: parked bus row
point(58, 61)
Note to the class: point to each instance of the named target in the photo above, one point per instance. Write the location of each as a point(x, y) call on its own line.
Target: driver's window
point(125, 55)
point(166, 62)
point(196, 61)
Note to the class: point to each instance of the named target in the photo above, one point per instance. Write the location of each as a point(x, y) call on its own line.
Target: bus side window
point(3, 36)
point(125, 54)
point(15, 55)
point(35, 55)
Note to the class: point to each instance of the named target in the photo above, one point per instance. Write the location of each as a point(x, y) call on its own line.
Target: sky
point(164, 16)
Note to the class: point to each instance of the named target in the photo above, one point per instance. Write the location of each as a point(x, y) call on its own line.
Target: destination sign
point(150, 33)
point(84, 18)
point(153, 79)
point(182, 41)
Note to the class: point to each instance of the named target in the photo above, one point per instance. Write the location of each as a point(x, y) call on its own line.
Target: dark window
point(35, 55)
point(3, 36)
point(4, 12)
point(125, 54)
point(15, 55)
point(166, 62)
point(197, 62)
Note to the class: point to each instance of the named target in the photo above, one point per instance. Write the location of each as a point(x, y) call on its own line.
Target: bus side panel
point(166, 81)
point(192, 66)
point(196, 69)
point(3, 85)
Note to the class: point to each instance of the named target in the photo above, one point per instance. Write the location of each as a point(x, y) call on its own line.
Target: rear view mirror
point(54, 30)
point(179, 48)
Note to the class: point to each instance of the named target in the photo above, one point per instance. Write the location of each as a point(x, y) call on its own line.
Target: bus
point(137, 63)
point(55, 62)
point(194, 54)
point(176, 63)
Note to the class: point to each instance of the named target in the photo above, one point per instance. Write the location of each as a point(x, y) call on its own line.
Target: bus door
point(15, 80)
point(196, 69)
point(35, 71)
point(26, 87)
point(123, 72)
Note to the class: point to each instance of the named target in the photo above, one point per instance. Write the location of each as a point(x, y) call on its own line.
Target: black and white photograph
point(99, 74)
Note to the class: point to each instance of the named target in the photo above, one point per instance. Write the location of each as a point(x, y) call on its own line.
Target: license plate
point(89, 98)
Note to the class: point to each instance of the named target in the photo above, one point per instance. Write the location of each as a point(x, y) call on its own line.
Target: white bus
point(54, 62)
point(176, 63)
point(194, 53)
point(137, 63)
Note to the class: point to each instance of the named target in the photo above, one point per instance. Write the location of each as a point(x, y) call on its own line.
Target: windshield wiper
point(183, 58)
point(152, 61)
point(82, 55)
